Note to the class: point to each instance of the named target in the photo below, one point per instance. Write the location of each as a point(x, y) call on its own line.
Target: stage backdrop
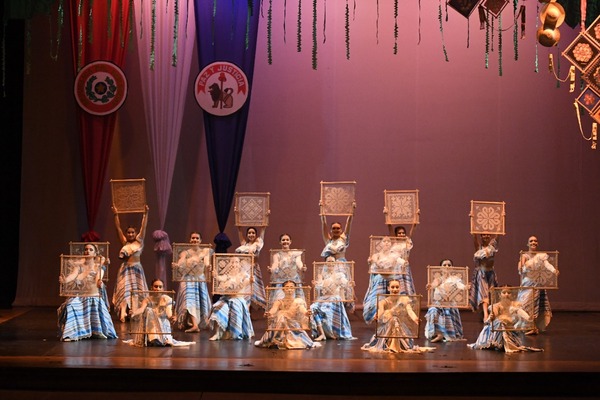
point(454, 129)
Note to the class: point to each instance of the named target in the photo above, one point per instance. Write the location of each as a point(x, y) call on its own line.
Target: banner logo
point(100, 88)
point(221, 88)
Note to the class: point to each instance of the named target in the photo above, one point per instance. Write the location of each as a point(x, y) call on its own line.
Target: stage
point(35, 364)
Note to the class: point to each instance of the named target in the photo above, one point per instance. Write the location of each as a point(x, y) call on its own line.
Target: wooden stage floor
point(35, 364)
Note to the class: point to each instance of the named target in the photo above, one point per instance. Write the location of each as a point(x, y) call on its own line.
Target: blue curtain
point(226, 31)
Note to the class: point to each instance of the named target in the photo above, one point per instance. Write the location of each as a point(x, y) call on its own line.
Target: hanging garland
point(299, 26)
point(284, 18)
point(500, 45)
point(314, 36)
point(395, 26)
point(442, 30)
point(347, 28)
point(269, 33)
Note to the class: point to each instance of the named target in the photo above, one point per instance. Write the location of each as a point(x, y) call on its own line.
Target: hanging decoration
point(552, 15)
point(221, 88)
point(91, 42)
point(584, 54)
point(100, 88)
point(226, 36)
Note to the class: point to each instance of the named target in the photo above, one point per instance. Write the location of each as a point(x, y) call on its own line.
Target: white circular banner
point(100, 88)
point(221, 88)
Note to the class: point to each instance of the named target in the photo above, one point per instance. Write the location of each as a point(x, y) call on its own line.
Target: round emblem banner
point(221, 88)
point(100, 88)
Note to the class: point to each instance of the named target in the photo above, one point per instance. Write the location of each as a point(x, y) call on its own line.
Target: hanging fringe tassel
point(299, 34)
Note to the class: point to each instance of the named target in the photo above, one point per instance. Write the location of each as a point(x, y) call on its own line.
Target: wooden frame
point(191, 262)
point(401, 309)
point(333, 279)
point(495, 7)
point(376, 248)
point(137, 297)
point(227, 281)
point(488, 217)
point(402, 207)
point(514, 321)
point(338, 198)
point(275, 293)
point(589, 99)
point(448, 287)
point(582, 52)
point(290, 270)
point(128, 195)
point(539, 269)
point(252, 209)
point(80, 275)
point(76, 249)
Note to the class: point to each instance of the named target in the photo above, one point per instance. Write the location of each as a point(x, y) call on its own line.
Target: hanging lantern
point(552, 15)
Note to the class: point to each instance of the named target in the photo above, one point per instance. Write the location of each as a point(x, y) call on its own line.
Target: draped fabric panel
point(226, 31)
point(163, 34)
point(97, 33)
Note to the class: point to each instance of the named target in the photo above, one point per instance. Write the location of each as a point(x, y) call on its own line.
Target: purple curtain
point(226, 31)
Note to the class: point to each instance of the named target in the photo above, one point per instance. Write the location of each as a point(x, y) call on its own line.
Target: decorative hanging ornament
point(100, 88)
point(552, 15)
point(221, 88)
point(464, 7)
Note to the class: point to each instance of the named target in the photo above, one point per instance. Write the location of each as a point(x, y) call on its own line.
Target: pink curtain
point(165, 34)
point(97, 33)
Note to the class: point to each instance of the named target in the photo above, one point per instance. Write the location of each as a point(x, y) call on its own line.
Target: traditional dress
point(259, 296)
point(193, 297)
point(444, 321)
point(397, 323)
point(497, 334)
point(231, 314)
point(536, 300)
point(85, 317)
point(403, 248)
point(287, 266)
point(484, 275)
point(130, 276)
point(336, 248)
point(287, 326)
point(152, 327)
point(329, 313)
point(378, 282)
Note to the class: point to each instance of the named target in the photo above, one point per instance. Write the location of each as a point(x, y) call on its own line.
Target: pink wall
point(454, 130)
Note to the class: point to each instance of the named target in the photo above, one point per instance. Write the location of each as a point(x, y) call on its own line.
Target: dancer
point(286, 265)
point(230, 315)
point(151, 324)
point(252, 243)
point(329, 317)
point(537, 300)
point(444, 323)
point(402, 245)
point(85, 317)
point(130, 276)
point(500, 331)
point(484, 276)
point(288, 320)
point(385, 265)
point(194, 304)
point(336, 240)
point(397, 322)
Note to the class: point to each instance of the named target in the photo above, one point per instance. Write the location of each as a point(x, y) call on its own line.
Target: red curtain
point(99, 31)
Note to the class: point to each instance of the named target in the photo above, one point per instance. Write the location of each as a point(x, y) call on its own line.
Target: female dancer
point(131, 274)
point(193, 307)
point(336, 240)
point(230, 315)
point(252, 243)
point(286, 265)
point(529, 263)
point(444, 323)
point(484, 276)
point(151, 321)
point(386, 265)
point(288, 319)
point(397, 323)
point(500, 329)
point(85, 317)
